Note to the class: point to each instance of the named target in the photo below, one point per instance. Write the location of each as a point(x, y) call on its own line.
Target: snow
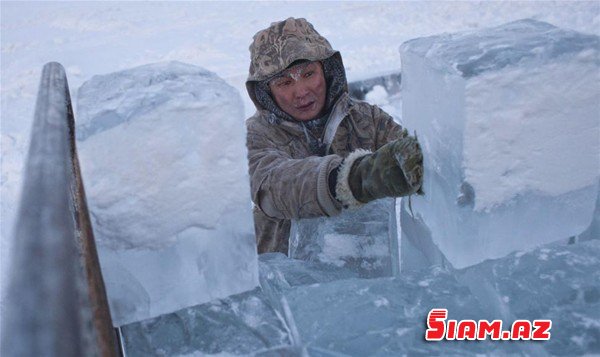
point(508, 119)
point(390, 103)
point(378, 96)
point(167, 195)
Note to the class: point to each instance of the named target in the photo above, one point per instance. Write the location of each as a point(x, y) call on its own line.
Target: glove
point(396, 169)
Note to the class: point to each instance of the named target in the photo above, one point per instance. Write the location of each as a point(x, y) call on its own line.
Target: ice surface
point(164, 166)
point(508, 119)
point(384, 316)
point(558, 282)
point(313, 309)
point(593, 231)
point(240, 324)
point(417, 248)
point(284, 272)
point(364, 240)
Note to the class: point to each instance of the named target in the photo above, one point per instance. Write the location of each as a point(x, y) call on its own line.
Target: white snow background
point(91, 38)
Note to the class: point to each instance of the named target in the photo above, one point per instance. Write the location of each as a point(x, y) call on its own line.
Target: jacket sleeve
point(286, 188)
point(386, 129)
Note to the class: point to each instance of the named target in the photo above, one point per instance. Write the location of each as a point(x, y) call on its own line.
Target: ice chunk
point(508, 119)
point(278, 273)
point(364, 240)
point(239, 325)
point(386, 316)
point(558, 282)
point(320, 310)
point(417, 249)
point(163, 158)
point(292, 272)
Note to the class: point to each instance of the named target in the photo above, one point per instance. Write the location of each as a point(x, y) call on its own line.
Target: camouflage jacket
point(288, 179)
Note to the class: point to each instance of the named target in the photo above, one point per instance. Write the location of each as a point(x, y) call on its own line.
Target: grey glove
point(396, 169)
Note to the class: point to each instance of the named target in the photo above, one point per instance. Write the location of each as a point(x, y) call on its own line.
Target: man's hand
point(396, 169)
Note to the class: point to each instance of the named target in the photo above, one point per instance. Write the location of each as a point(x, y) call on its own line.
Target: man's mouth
point(305, 107)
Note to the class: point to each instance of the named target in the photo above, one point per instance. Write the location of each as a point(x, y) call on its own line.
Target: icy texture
point(314, 309)
point(384, 316)
point(417, 249)
point(508, 119)
point(362, 240)
point(168, 195)
point(240, 324)
point(593, 231)
point(283, 272)
point(337, 313)
point(557, 282)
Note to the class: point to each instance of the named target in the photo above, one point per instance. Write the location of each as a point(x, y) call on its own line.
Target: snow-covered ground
point(91, 38)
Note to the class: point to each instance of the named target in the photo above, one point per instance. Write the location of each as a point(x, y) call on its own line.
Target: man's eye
point(284, 83)
point(308, 74)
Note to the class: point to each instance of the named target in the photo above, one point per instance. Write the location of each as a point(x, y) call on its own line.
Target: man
point(312, 150)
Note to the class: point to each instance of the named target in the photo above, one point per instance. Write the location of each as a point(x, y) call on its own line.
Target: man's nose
point(301, 90)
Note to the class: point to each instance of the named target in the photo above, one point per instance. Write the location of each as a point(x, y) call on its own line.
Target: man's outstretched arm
point(287, 188)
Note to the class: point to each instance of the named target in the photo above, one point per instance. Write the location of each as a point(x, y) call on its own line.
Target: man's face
point(301, 90)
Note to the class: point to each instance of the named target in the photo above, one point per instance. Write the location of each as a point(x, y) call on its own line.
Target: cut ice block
point(238, 325)
point(386, 316)
point(311, 308)
point(508, 119)
point(278, 272)
point(163, 158)
point(417, 249)
point(559, 282)
point(364, 240)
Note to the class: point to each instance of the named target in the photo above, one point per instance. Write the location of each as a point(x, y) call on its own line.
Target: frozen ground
point(99, 38)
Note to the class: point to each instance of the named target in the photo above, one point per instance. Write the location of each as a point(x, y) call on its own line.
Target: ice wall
point(509, 121)
point(163, 157)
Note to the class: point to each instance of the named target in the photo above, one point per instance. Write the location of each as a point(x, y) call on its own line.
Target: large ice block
point(508, 118)
point(363, 240)
point(163, 157)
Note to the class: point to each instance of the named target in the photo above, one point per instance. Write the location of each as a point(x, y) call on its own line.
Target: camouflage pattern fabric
point(284, 43)
point(393, 170)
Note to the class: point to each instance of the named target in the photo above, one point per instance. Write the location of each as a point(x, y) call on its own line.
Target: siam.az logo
point(439, 328)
